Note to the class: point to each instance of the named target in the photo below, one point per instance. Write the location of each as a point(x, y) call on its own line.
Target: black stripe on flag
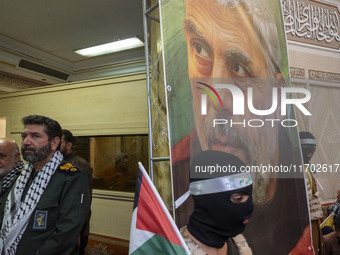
point(138, 186)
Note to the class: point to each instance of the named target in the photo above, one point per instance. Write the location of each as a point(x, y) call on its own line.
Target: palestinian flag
point(153, 230)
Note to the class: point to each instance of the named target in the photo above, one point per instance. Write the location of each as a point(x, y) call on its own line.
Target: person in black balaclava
point(308, 147)
point(223, 205)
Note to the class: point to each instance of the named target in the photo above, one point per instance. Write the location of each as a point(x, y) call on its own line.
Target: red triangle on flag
point(151, 217)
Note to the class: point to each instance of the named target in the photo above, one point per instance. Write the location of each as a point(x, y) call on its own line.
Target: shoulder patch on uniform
point(68, 167)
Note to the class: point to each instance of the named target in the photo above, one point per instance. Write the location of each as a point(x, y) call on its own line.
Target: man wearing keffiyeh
point(10, 163)
point(48, 204)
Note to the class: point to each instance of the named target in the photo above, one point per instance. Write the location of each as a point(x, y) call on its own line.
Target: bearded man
point(10, 163)
point(233, 45)
point(49, 203)
point(66, 148)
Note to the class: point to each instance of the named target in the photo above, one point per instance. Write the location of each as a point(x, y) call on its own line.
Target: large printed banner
point(228, 86)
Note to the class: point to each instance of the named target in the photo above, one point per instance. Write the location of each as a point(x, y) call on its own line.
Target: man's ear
point(69, 146)
point(54, 143)
point(17, 157)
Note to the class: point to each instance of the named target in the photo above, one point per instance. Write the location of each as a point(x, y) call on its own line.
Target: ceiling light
point(107, 48)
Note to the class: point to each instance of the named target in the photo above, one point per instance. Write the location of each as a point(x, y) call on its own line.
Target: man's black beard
point(63, 151)
point(37, 155)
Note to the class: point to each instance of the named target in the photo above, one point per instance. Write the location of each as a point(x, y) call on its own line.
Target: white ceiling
point(46, 32)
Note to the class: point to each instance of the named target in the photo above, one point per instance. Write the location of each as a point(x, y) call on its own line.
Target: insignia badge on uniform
point(40, 220)
point(68, 167)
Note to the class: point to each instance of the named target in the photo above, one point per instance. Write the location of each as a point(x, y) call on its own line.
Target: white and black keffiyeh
point(7, 180)
point(17, 210)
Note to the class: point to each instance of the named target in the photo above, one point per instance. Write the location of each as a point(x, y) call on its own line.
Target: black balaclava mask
point(308, 146)
point(215, 217)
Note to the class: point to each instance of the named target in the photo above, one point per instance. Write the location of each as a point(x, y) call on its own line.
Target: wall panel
point(110, 106)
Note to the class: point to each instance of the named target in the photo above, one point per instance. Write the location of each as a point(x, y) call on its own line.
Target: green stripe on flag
point(159, 245)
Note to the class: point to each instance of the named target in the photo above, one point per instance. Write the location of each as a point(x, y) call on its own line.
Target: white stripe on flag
point(145, 174)
point(139, 236)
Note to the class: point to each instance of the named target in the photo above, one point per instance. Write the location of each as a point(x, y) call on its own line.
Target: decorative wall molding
point(324, 76)
point(312, 22)
point(14, 83)
point(298, 73)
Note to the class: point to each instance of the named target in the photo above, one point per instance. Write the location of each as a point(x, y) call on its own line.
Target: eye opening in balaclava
point(215, 217)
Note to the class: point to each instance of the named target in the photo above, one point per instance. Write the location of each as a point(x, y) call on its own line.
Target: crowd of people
point(325, 241)
point(44, 204)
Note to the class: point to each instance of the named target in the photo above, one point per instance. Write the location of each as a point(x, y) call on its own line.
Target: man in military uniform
point(66, 148)
point(50, 197)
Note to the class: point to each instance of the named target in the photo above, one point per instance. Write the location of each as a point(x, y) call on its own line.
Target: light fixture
point(111, 47)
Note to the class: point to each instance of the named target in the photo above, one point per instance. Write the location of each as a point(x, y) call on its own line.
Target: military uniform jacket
point(56, 222)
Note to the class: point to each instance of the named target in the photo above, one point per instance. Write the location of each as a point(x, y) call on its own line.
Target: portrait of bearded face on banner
point(235, 42)
point(224, 48)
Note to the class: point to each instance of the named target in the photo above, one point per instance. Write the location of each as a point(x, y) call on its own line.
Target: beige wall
point(2, 127)
point(98, 107)
point(318, 70)
point(111, 106)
